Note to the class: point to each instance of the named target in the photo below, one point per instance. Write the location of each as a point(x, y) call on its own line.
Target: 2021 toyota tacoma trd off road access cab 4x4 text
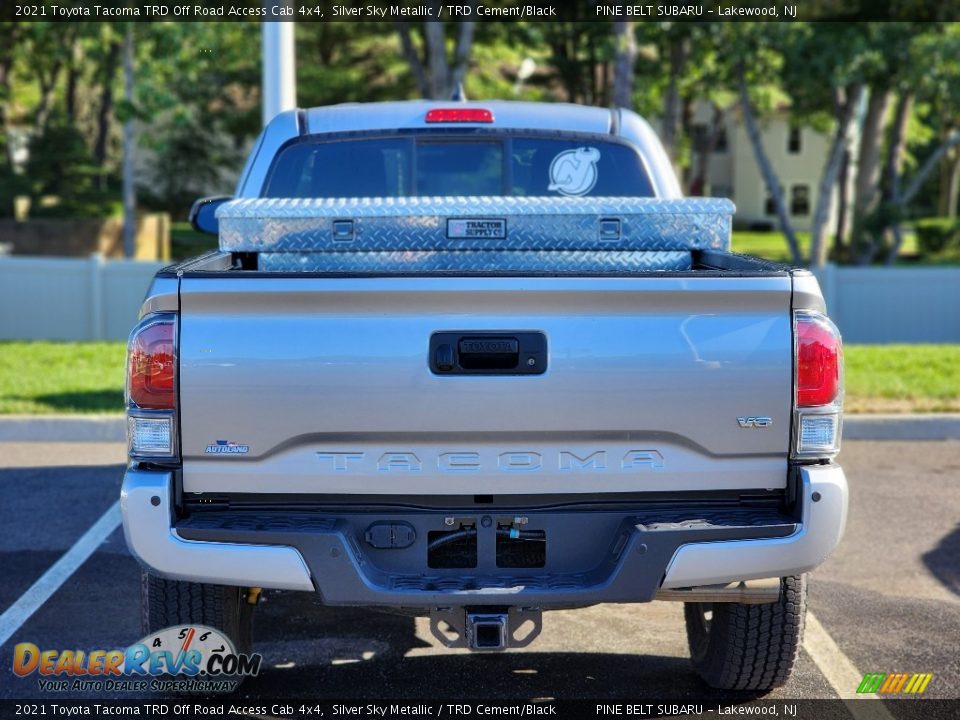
point(474, 361)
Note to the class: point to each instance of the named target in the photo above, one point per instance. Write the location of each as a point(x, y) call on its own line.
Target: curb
point(112, 428)
point(63, 428)
point(927, 426)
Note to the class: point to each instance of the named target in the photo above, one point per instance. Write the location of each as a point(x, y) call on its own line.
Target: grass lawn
point(902, 378)
point(49, 377)
point(773, 246)
point(768, 245)
point(55, 377)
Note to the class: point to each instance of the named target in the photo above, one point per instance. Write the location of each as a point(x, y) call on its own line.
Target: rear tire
point(748, 647)
point(164, 603)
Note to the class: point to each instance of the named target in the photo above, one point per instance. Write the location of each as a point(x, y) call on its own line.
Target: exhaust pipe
point(487, 631)
point(748, 592)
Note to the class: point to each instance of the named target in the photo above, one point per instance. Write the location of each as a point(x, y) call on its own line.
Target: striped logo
point(895, 683)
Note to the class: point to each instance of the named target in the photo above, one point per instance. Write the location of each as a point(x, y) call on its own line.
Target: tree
point(825, 77)
point(917, 65)
point(580, 55)
point(846, 101)
point(774, 187)
point(684, 55)
point(624, 60)
point(111, 62)
point(754, 60)
point(10, 33)
point(437, 76)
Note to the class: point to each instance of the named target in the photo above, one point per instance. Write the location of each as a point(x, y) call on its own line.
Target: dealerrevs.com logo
point(190, 658)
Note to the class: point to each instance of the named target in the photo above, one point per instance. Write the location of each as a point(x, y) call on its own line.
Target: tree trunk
point(8, 40)
point(106, 109)
point(766, 169)
point(843, 208)
point(953, 187)
point(436, 59)
point(698, 182)
point(928, 165)
point(866, 190)
point(129, 153)
point(8, 35)
point(896, 148)
point(626, 56)
point(949, 176)
point(413, 60)
point(594, 80)
point(671, 102)
point(47, 83)
point(866, 247)
point(461, 54)
point(70, 100)
point(828, 179)
point(893, 168)
point(437, 78)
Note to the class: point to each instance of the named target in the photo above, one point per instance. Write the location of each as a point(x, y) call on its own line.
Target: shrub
point(934, 235)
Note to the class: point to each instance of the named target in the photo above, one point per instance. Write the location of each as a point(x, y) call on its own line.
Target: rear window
point(425, 166)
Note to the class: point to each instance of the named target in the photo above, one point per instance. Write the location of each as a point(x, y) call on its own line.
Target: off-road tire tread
point(750, 647)
point(164, 603)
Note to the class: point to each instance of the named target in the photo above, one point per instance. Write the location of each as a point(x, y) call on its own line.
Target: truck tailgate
point(322, 385)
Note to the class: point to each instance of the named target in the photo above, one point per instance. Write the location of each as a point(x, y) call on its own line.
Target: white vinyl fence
point(71, 299)
point(96, 299)
point(893, 305)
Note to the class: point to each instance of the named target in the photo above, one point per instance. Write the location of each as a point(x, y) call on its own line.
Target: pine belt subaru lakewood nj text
point(474, 361)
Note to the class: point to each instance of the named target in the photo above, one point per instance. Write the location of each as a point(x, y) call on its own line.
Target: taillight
point(818, 385)
point(151, 364)
point(152, 389)
point(459, 115)
point(819, 360)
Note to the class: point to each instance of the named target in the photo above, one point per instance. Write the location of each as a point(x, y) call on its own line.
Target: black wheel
point(748, 647)
point(165, 603)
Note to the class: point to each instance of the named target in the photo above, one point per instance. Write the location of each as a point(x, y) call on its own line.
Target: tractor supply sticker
point(226, 447)
point(574, 172)
point(186, 658)
point(469, 228)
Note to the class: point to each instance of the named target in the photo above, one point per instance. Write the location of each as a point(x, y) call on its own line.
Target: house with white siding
point(797, 154)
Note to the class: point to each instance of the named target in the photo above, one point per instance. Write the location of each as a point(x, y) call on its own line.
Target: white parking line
point(58, 573)
point(840, 672)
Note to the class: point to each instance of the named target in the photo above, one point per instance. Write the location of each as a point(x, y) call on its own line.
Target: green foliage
point(198, 96)
point(188, 159)
point(869, 239)
point(934, 235)
point(60, 162)
point(60, 165)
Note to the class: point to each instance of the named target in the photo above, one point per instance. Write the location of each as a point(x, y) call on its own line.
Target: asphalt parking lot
point(887, 601)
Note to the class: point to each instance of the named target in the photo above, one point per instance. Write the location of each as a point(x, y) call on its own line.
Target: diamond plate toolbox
point(515, 224)
point(466, 262)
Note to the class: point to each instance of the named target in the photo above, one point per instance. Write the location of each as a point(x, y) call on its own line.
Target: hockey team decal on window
point(574, 172)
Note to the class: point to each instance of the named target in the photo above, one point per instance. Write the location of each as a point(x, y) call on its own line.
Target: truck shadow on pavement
point(944, 561)
point(312, 651)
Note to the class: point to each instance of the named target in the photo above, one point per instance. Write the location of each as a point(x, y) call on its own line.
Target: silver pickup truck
point(473, 361)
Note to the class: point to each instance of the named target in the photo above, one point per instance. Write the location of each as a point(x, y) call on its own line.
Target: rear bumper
point(324, 554)
point(147, 508)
